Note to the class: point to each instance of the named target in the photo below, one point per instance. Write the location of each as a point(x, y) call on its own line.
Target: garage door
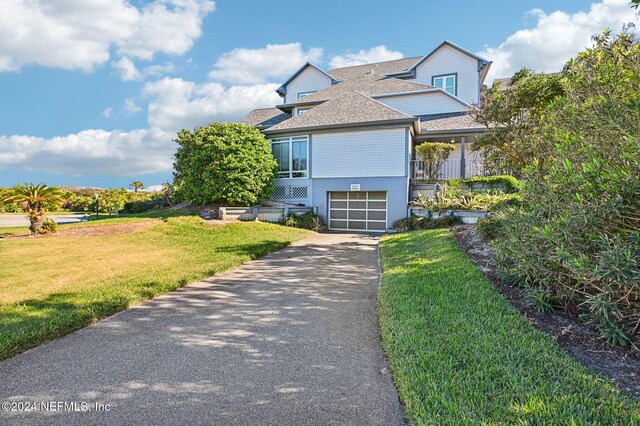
point(358, 211)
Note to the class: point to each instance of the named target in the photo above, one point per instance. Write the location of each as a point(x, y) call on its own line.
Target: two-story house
point(345, 138)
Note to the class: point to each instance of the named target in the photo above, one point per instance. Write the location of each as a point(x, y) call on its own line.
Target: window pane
point(299, 156)
point(449, 81)
point(283, 159)
point(437, 82)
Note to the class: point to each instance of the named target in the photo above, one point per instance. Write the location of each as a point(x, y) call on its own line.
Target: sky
point(93, 93)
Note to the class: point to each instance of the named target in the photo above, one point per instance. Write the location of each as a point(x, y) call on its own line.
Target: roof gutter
point(410, 120)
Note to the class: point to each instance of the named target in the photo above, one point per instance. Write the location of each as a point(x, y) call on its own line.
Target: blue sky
point(92, 93)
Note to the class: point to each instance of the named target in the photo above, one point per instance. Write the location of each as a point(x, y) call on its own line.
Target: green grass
point(461, 354)
point(52, 286)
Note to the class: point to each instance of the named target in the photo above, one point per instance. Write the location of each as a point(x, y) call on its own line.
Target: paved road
point(289, 339)
point(20, 220)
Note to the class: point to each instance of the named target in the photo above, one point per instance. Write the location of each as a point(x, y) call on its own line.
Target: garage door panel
point(377, 205)
point(358, 214)
point(338, 214)
point(376, 226)
point(357, 225)
point(375, 215)
point(358, 211)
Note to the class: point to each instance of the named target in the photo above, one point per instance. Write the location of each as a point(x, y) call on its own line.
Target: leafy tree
point(511, 114)
point(576, 239)
point(433, 155)
point(136, 185)
point(33, 199)
point(224, 163)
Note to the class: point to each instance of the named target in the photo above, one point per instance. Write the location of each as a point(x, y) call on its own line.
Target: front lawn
point(51, 286)
point(461, 354)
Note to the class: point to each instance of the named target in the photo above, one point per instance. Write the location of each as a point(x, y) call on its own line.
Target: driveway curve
point(288, 339)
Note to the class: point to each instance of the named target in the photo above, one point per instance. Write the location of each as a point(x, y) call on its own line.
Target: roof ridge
point(374, 63)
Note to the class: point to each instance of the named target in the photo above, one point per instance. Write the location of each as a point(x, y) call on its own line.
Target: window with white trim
point(303, 94)
point(446, 82)
point(302, 110)
point(292, 155)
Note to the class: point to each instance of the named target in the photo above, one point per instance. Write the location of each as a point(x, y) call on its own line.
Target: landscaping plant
point(433, 155)
point(577, 236)
point(308, 220)
point(224, 163)
point(33, 199)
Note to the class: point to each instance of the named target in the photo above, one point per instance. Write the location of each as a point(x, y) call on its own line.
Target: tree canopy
point(224, 163)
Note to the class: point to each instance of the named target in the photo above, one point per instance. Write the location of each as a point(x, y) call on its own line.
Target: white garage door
point(358, 211)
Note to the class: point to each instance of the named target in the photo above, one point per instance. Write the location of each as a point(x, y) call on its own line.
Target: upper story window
point(292, 155)
point(303, 94)
point(447, 82)
point(302, 110)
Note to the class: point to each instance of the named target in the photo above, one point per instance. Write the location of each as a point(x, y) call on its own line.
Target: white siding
point(309, 80)
point(423, 104)
point(448, 60)
point(371, 153)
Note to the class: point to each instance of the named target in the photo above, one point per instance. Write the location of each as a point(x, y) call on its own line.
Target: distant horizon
point(102, 108)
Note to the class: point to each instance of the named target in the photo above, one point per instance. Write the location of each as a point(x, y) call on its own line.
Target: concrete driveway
point(21, 220)
point(288, 339)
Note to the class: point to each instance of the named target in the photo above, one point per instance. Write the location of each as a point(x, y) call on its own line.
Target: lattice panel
point(291, 192)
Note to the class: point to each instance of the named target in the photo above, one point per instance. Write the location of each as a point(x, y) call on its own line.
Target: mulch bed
point(581, 340)
point(94, 231)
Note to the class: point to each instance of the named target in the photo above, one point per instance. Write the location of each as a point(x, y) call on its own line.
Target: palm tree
point(32, 198)
point(136, 185)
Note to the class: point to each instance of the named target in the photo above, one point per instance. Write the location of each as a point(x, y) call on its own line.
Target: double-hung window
point(292, 155)
point(303, 94)
point(446, 82)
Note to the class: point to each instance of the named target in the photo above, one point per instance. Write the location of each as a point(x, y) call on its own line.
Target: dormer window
point(303, 94)
point(302, 110)
point(446, 82)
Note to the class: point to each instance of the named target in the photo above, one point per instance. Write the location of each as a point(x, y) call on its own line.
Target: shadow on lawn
point(28, 323)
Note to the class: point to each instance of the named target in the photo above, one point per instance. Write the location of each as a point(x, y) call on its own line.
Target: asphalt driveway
point(287, 339)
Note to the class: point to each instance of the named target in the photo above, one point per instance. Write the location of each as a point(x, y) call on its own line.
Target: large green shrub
point(577, 237)
point(433, 155)
point(224, 163)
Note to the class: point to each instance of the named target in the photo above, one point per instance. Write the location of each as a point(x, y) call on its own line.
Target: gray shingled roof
point(367, 85)
point(350, 107)
point(377, 68)
point(265, 117)
point(448, 121)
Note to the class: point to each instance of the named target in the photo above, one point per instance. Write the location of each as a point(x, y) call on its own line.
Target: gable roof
point(265, 117)
point(367, 85)
point(282, 89)
point(376, 68)
point(348, 109)
point(483, 64)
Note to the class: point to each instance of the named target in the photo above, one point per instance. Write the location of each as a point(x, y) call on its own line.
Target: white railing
point(449, 170)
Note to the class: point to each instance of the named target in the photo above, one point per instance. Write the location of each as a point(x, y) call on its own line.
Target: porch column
point(462, 159)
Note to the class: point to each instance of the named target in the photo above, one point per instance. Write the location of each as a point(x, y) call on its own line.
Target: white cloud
point(375, 54)
point(178, 103)
point(555, 38)
point(153, 188)
point(126, 69)
point(107, 112)
point(79, 35)
point(91, 152)
point(174, 104)
point(246, 66)
point(131, 107)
